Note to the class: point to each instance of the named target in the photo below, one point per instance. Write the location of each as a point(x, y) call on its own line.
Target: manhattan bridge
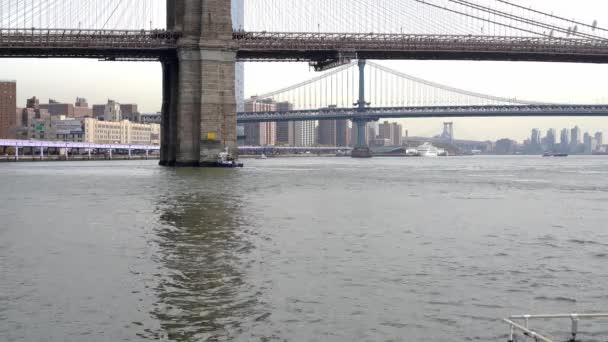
point(199, 42)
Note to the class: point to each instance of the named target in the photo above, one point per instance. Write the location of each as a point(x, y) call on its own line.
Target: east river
point(302, 249)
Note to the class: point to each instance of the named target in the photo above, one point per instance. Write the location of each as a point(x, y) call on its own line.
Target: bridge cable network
point(476, 17)
point(386, 87)
point(455, 17)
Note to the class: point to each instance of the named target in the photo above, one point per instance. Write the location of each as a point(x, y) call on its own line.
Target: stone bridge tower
point(199, 105)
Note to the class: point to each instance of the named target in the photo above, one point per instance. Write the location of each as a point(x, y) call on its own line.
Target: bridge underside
point(91, 53)
point(308, 56)
point(301, 56)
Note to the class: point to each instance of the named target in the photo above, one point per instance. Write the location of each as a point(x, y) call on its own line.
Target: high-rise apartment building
point(590, 144)
point(260, 133)
point(285, 129)
point(575, 136)
point(8, 109)
point(391, 132)
point(304, 133)
point(535, 137)
point(342, 133)
point(564, 139)
point(599, 138)
point(112, 111)
point(550, 139)
point(398, 134)
point(327, 132)
point(385, 131)
point(285, 133)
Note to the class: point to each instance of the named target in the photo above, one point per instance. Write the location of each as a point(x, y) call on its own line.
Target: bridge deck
point(75, 43)
point(426, 112)
point(252, 46)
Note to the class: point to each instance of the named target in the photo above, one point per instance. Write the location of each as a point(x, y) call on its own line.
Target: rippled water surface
point(328, 249)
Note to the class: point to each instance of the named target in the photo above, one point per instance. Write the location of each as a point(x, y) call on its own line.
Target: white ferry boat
point(428, 150)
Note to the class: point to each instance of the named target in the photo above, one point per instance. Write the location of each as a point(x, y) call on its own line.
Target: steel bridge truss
point(337, 46)
point(103, 44)
point(373, 114)
point(323, 49)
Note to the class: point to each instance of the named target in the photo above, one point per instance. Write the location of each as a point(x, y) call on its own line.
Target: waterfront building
point(505, 146)
point(66, 129)
point(121, 132)
point(8, 109)
point(37, 127)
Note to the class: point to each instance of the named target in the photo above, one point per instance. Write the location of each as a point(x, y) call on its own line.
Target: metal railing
point(389, 41)
point(307, 45)
point(77, 38)
point(524, 327)
point(427, 111)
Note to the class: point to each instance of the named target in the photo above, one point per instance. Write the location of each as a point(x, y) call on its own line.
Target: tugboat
point(225, 160)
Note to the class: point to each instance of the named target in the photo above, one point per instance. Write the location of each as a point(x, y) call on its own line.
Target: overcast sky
point(140, 82)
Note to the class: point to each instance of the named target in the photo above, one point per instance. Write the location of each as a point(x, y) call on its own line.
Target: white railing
point(524, 327)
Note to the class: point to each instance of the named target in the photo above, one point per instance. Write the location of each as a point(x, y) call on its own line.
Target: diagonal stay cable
point(111, 14)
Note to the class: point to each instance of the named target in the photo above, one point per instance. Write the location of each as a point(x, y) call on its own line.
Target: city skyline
point(430, 127)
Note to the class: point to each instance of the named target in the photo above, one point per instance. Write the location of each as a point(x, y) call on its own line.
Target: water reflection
point(203, 293)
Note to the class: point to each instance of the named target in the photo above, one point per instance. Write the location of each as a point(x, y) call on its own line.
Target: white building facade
point(121, 132)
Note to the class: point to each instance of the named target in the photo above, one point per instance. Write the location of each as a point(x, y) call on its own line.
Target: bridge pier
point(168, 139)
point(361, 149)
point(199, 103)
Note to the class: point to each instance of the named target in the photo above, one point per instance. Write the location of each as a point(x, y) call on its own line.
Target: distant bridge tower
point(448, 131)
point(199, 106)
point(361, 149)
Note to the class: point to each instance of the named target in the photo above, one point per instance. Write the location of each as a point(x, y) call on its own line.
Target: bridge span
point(373, 114)
point(321, 49)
